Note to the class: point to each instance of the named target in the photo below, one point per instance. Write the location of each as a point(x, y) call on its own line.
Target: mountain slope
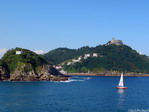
point(60, 55)
point(120, 58)
point(113, 58)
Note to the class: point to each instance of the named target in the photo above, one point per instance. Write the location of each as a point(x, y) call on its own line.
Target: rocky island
point(24, 65)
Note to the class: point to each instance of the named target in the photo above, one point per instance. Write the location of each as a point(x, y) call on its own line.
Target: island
point(24, 65)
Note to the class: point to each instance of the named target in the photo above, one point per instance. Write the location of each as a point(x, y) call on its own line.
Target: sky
point(44, 25)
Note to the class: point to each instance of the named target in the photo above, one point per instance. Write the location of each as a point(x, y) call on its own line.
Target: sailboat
point(121, 83)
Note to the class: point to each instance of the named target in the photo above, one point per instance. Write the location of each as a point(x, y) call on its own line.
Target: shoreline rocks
point(108, 74)
point(46, 73)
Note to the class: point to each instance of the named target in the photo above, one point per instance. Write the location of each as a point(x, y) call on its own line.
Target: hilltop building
point(115, 42)
point(19, 52)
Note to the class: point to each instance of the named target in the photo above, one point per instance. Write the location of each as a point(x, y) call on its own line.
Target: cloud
point(39, 51)
point(2, 51)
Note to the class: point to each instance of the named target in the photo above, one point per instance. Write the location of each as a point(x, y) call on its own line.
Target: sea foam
point(77, 79)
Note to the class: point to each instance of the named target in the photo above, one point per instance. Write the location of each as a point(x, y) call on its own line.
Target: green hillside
point(28, 57)
point(119, 58)
point(60, 55)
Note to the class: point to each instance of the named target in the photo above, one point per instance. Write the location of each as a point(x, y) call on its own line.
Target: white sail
point(121, 84)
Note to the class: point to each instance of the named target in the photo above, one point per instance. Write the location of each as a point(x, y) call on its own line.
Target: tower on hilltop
point(115, 42)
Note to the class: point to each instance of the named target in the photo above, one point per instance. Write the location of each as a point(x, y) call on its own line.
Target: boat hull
point(121, 87)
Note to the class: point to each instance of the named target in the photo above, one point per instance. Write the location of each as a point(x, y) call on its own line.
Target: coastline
point(107, 74)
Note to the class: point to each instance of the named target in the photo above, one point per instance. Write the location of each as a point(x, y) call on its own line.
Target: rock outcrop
point(4, 75)
point(47, 73)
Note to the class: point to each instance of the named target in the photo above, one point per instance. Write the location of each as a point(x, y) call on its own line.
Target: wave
point(77, 79)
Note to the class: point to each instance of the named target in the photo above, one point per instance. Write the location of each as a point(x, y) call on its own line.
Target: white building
point(95, 55)
point(58, 67)
point(19, 52)
point(86, 56)
point(69, 63)
point(79, 58)
point(76, 60)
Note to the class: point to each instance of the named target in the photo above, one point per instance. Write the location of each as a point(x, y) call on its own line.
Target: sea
point(78, 94)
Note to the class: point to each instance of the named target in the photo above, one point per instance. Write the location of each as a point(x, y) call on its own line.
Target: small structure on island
point(115, 42)
point(19, 52)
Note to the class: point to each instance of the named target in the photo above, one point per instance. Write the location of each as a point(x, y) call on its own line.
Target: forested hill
point(110, 58)
point(60, 55)
point(24, 65)
point(26, 57)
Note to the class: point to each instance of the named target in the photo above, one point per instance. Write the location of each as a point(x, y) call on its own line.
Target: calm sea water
point(80, 94)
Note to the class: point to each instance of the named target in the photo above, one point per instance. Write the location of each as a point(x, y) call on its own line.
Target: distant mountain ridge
point(60, 55)
point(109, 57)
